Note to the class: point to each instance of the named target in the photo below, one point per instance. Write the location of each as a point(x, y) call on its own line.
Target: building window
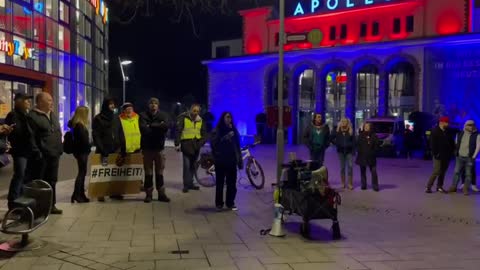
point(333, 34)
point(22, 22)
point(410, 24)
point(222, 51)
point(375, 29)
point(396, 26)
point(343, 31)
point(5, 98)
point(63, 12)
point(52, 33)
point(51, 8)
point(5, 15)
point(363, 30)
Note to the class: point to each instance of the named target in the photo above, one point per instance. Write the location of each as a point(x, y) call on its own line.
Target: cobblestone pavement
point(398, 228)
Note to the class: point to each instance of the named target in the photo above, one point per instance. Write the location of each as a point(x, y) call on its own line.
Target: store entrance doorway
point(9, 86)
point(336, 82)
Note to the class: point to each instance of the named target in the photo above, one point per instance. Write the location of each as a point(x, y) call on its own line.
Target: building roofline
point(467, 38)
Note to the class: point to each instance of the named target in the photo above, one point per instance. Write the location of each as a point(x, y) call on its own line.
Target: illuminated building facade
point(58, 46)
point(354, 58)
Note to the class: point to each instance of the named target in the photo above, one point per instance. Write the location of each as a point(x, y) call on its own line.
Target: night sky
point(166, 55)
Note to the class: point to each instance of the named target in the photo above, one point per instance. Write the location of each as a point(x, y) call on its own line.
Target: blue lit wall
point(238, 87)
point(452, 80)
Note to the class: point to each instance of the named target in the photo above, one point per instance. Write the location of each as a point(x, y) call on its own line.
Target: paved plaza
point(400, 227)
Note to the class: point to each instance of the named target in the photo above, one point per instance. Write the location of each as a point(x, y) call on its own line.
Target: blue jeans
point(188, 170)
point(346, 162)
point(318, 155)
point(463, 163)
point(16, 185)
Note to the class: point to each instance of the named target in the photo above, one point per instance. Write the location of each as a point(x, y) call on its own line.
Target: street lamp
point(280, 133)
point(124, 78)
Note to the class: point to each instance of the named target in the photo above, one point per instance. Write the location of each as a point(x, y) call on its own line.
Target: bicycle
point(205, 169)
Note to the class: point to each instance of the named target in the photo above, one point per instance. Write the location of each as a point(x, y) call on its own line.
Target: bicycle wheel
point(204, 177)
point(255, 173)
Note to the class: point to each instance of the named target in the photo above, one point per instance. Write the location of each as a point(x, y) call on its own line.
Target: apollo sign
point(305, 7)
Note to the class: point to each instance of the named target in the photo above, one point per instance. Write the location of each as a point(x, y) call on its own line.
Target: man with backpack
point(21, 149)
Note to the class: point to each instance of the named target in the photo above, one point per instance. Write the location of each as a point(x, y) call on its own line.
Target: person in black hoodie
point(21, 149)
point(81, 151)
point(442, 144)
point(367, 146)
point(225, 144)
point(46, 141)
point(344, 140)
point(107, 133)
point(154, 127)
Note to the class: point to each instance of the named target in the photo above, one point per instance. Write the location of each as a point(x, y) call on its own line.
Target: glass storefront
point(71, 49)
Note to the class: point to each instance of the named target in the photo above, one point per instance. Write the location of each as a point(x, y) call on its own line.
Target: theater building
point(57, 46)
point(354, 58)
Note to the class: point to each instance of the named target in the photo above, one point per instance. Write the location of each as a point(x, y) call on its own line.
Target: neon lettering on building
point(100, 9)
point(17, 48)
point(305, 7)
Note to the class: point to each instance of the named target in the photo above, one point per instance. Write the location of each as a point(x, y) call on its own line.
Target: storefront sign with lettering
point(17, 48)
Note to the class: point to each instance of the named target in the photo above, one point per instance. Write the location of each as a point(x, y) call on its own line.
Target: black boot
point(159, 182)
point(82, 192)
point(162, 197)
point(149, 196)
point(76, 196)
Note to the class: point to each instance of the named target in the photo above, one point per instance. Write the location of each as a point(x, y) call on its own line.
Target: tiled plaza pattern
point(398, 228)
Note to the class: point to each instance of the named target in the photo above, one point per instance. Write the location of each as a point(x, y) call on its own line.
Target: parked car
point(390, 132)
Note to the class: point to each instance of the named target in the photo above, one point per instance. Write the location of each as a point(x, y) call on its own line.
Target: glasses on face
point(470, 125)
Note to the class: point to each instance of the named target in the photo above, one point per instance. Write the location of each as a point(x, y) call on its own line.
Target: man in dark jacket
point(19, 140)
point(466, 151)
point(442, 145)
point(191, 136)
point(106, 130)
point(107, 134)
point(154, 127)
point(46, 141)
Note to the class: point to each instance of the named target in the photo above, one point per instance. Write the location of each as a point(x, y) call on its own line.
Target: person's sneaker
point(56, 211)
point(376, 189)
point(185, 190)
point(195, 187)
point(233, 208)
point(101, 199)
point(441, 190)
point(474, 188)
point(116, 197)
point(428, 190)
point(219, 208)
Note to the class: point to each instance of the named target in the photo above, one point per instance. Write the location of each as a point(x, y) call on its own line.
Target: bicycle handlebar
point(246, 147)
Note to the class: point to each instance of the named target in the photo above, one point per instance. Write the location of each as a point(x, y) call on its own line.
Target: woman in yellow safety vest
point(130, 129)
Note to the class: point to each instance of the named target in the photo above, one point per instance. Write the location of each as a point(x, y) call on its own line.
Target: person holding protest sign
point(106, 132)
point(153, 128)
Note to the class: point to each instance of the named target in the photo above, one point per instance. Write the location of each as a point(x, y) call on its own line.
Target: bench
point(30, 212)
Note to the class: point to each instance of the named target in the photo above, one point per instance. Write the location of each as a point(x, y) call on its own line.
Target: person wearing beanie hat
point(154, 127)
point(442, 146)
point(466, 151)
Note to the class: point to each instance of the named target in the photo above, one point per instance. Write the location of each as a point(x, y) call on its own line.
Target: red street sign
point(272, 116)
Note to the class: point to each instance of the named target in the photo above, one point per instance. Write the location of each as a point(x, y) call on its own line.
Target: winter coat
point(344, 141)
point(442, 144)
point(81, 139)
point(46, 136)
point(20, 137)
point(225, 143)
point(106, 131)
point(154, 129)
point(309, 137)
point(367, 146)
point(190, 147)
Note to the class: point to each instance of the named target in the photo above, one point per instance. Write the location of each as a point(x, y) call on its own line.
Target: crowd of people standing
point(36, 143)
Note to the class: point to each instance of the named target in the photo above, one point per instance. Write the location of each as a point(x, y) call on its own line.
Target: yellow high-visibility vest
point(131, 130)
point(191, 130)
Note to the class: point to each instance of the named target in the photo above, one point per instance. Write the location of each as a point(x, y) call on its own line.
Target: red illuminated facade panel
point(379, 22)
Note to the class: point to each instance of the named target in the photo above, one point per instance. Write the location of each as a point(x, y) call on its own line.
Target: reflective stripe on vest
point(191, 130)
point(131, 130)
